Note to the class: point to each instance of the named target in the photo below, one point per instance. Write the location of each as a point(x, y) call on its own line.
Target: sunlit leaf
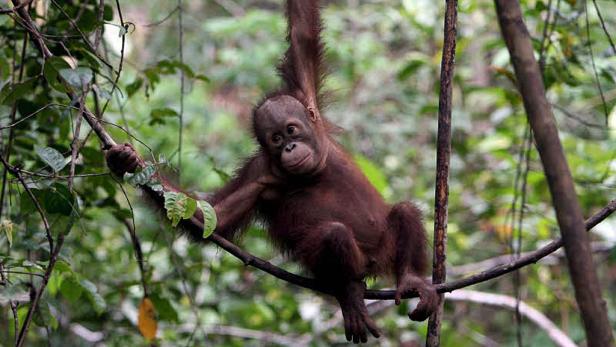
point(372, 172)
point(178, 206)
point(209, 218)
point(51, 157)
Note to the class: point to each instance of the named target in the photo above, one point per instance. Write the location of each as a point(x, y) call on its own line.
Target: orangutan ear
point(313, 114)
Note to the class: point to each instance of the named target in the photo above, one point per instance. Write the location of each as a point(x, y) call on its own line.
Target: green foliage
point(141, 177)
point(51, 157)
point(209, 218)
point(179, 206)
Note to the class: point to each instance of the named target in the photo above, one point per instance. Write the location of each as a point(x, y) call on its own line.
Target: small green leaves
point(56, 199)
point(209, 218)
point(179, 206)
point(140, 178)
point(158, 115)
point(92, 295)
point(134, 86)
point(78, 78)
point(52, 157)
point(51, 71)
point(10, 93)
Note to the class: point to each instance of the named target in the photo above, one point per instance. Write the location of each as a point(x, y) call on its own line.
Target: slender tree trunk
point(568, 213)
point(443, 153)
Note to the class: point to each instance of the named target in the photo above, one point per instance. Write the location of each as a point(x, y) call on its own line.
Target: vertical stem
point(443, 153)
point(568, 212)
point(9, 144)
point(181, 120)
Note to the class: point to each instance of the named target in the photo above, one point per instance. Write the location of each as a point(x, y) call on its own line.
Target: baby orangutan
point(317, 205)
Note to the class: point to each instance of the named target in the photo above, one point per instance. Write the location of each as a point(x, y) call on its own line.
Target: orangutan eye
point(276, 139)
point(291, 129)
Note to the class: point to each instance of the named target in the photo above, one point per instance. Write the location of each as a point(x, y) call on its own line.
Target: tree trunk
point(568, 213)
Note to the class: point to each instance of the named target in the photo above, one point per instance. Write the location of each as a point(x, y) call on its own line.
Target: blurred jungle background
point(190, 73)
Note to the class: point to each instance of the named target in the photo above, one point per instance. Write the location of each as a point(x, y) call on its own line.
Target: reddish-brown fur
point(328, 216)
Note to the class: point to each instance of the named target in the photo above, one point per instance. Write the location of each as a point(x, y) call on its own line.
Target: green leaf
point(6, 226)
point(158, 115)
point(202, 77)
point(209, 218)
point(134, 86)
point(108, 12)
point(55, 282)
point(54, 199)
point(191, 207)
point(88, 20)
point(372, 172)
point(51, 157)
point(411, 67)
point(71, 289)
point(78, 78)
point(12, 92)
point(140, 178)
point(165, 309)
point(92, 295)
point(12, 292)
point(51, 72)
point(43, 316)
point(178, 206)
point(58, 199)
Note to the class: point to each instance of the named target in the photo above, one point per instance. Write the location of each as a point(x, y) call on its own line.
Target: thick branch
point(568, 211)
point(498, 271)
point(309, 283)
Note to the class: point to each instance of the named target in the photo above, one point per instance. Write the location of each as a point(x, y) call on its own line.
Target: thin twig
point(498, 300)
point(16, 172)
point(182, 82)
point(161, 21)
point(9, 145)
point(99, 31)
point(75, 146)
point(84, 38)
point(125, 27)
point(603, 26)
point(606, 112)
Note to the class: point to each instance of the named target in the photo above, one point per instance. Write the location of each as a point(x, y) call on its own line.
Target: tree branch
point(556, 335)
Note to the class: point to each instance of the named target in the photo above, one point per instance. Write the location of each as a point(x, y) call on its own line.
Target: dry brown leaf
point(147, 319)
